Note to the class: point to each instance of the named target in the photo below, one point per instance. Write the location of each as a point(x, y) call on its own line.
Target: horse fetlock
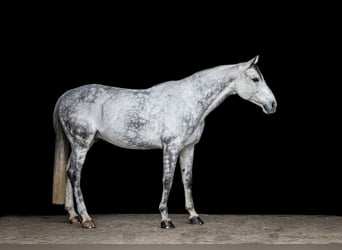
point(189, 206)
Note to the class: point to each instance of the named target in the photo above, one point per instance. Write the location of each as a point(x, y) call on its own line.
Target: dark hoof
point(196, 220)
point(88, 224)
point(167, 224)
point(74, 220)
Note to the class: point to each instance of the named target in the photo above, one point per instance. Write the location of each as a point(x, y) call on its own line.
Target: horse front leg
point(170, 155)
point(186, 159)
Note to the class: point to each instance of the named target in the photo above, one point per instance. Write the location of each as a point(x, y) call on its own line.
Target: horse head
point(250, 85)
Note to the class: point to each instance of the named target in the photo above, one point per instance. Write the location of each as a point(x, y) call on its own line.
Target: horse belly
point(128, 129)
point(130, 139)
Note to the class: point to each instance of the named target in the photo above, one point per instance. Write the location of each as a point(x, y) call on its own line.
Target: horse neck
point(212, 87)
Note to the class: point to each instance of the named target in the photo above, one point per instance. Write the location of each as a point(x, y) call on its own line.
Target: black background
point(246, 161)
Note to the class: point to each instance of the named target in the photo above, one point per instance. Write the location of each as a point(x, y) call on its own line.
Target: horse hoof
point(88, 224)
point(167, 224)
point(196, 220)
point(74, 220)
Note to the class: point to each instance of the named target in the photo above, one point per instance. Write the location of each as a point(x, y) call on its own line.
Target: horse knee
point(167, 182)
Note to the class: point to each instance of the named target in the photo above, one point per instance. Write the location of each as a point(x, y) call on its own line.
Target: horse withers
point(168, 116)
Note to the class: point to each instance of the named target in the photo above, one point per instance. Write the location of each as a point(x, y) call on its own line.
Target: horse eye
point(255, 79)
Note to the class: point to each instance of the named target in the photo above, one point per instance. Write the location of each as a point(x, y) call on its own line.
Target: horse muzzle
point(270, 108)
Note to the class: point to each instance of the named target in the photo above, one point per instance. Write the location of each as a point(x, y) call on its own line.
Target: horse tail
point(60, 163)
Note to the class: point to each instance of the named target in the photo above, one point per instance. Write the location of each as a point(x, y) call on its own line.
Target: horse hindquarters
point(71, 123)
point(81, 134)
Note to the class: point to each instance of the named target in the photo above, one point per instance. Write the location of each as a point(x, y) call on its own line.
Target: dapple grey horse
point(168, 116)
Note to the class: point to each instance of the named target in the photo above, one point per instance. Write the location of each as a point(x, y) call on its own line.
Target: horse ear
point(253, 61)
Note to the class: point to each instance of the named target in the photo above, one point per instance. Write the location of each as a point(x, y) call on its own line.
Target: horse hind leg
point(186, 161)
point(69, 202)
point(77, 159)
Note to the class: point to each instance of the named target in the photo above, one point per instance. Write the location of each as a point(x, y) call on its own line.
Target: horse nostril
point(274, 105)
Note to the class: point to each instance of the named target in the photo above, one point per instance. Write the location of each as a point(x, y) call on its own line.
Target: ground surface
point(144, 229)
